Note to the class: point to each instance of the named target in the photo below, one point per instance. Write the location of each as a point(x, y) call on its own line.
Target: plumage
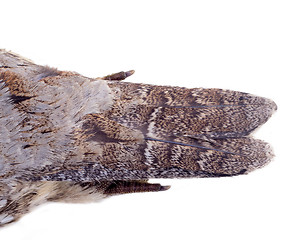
point(66, 137)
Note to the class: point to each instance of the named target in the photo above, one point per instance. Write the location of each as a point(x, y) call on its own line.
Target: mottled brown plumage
point(66, 137)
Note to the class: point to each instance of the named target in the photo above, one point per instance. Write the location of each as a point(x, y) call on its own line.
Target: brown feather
point(66, 137)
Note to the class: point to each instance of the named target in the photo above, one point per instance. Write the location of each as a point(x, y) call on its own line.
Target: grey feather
point(66, 137)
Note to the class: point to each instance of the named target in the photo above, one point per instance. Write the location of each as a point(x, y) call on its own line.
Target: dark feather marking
point(97, 134)
point(26, 146)
point(118, 76)
point(191, 145)
point(46, 71)
point(121, 187)
point(211, 106)
point(18, 99)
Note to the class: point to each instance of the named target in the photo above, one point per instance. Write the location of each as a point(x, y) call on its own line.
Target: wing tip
point(264, 156)
point(271, 106)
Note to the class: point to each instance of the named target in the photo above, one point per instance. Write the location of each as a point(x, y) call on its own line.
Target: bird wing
point(63, 126)
point(170, 132)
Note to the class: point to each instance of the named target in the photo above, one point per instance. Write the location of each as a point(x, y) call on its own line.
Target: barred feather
point(65, 137)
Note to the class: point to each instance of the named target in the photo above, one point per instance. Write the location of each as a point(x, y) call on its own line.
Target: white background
point(251, 46)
